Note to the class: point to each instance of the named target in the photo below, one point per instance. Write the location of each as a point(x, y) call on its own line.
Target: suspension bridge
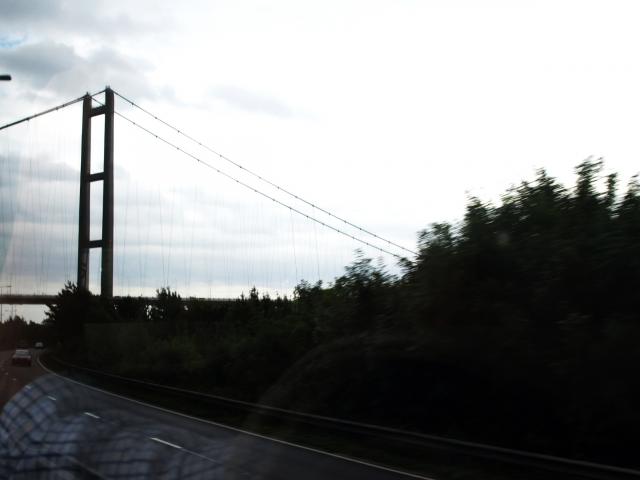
point(45, 235)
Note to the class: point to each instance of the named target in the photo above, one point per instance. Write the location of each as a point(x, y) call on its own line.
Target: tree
point(168, 306)
point(73, 308)
point(133, 309)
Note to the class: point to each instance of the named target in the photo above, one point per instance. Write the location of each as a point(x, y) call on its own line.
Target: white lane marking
point(239, 430)
point(51, 398)
point(28, 387)
point(159, 440)
point(92, 415)
point(212, 460)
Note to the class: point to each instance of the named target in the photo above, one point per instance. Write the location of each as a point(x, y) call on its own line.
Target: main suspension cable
point(52, 109)
point(260, 177)
point(245, 185)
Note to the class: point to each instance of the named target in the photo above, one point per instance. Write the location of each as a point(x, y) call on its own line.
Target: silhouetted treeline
point(517, 326)
point(16, 332)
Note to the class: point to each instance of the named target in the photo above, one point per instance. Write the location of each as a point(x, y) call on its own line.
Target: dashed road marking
point(28, 387)
point(159, 440)
point(92, 415)
point(234, 429)
point(51, 398)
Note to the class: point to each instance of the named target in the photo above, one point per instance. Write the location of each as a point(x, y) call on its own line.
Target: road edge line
point(239, 430)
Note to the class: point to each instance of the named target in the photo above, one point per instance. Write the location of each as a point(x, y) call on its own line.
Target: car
point(21, 357)
point(39, 345)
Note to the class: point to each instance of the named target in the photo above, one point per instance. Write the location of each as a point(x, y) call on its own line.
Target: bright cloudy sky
point(388, 113)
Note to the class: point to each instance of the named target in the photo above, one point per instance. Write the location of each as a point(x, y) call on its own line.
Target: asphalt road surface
point(13, 379)
point(52, 427)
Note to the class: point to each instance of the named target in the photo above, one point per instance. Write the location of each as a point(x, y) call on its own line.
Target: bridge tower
point(85, 244)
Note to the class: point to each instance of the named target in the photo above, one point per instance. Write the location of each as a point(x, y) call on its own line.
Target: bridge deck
point(28, 299)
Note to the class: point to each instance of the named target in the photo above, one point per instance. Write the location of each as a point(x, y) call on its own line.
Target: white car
point(39, 345)
point(21, 357)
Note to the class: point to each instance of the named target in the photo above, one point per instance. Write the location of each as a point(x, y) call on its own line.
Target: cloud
point(52, 171)
point(53, 19)
point(39, 10)
point(59, 69)
point(55, 48)
point(251, 101)
point(38, 62)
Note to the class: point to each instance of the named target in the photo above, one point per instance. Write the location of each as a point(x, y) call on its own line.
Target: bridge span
point(44, 299)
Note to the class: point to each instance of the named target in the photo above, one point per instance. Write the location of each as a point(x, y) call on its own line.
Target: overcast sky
point(388, 113)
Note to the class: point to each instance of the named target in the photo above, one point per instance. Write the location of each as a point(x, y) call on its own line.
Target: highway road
point(13, 379)
point(53, 424)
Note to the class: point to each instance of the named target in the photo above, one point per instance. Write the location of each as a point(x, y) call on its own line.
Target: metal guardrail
point(581, 468)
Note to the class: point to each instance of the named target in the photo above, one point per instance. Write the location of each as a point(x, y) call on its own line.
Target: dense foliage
point(16, 332)
point(518, 326)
